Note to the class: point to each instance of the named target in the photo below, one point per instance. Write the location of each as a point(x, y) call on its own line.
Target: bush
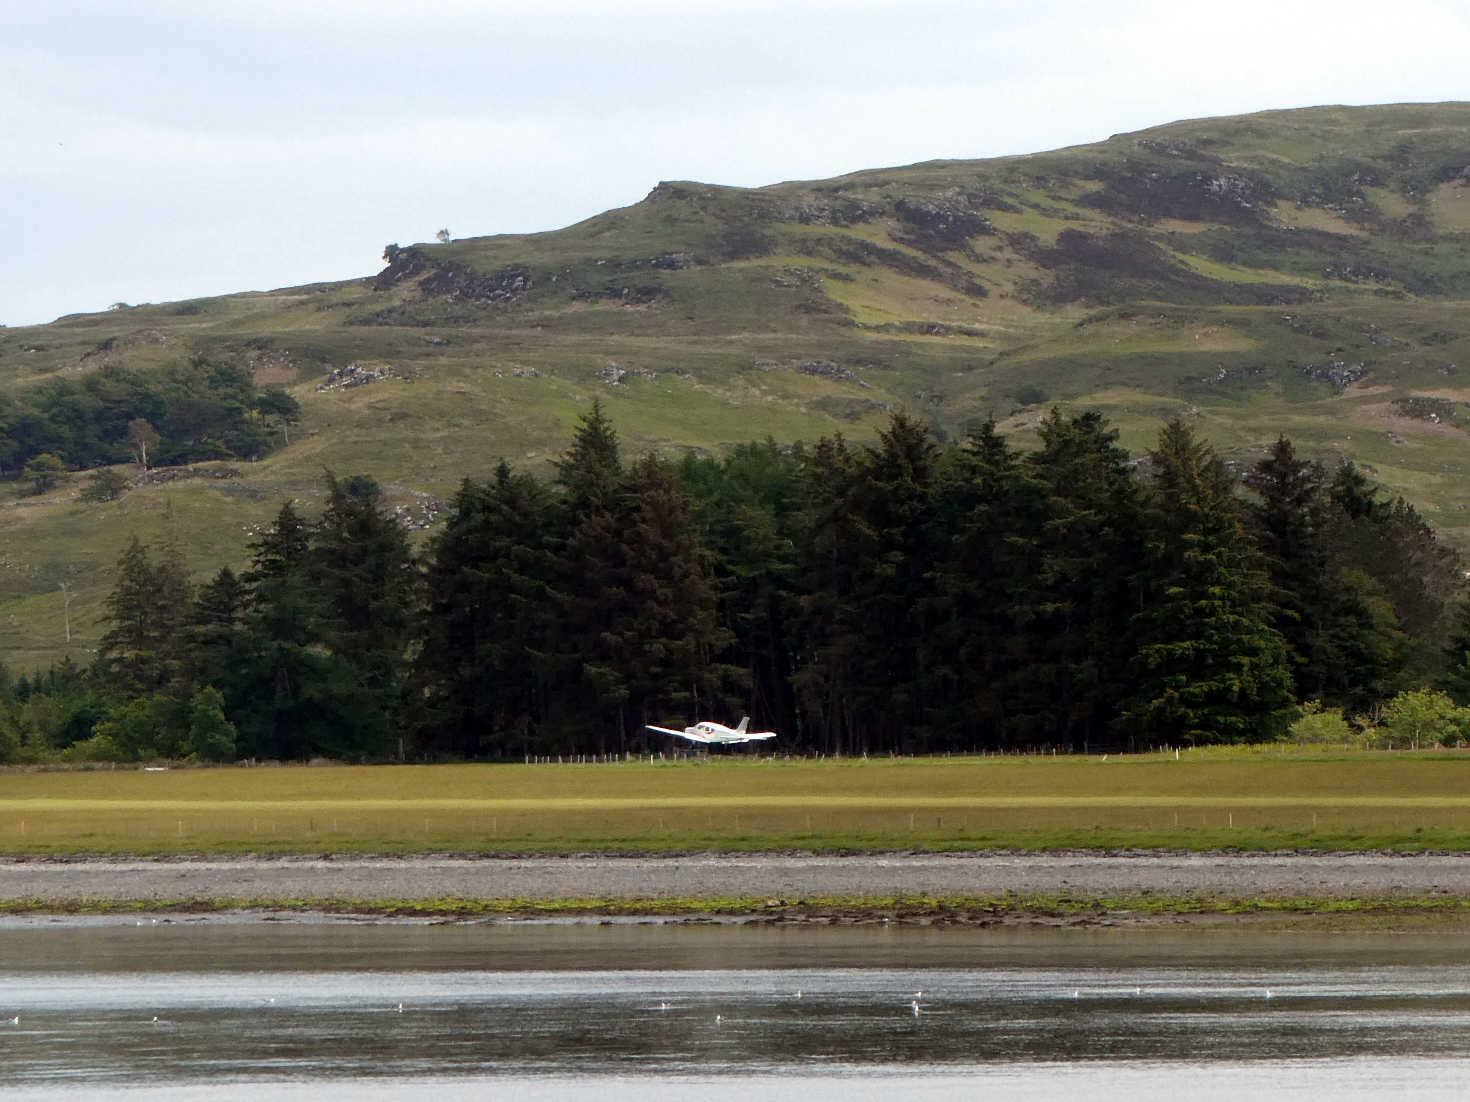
point(1420, 717)
point(104, 484)
point(146, 727)
point(1030, 394)
point(211, 735)
point(1318, 725)
point(96, 748)
point(45, 471)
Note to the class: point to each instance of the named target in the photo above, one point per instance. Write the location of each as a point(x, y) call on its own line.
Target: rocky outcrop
point(615, 374)
point(1424, 408)
point(1338, 374)
point(353, 375)
point(451, 280)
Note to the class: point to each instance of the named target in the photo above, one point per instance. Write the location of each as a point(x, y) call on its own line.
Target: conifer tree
point(487, 621)
point(127, 657)
point(832, 544)
point(672, 635)
point(142, 652)
point(987, 515)
point(1420, 575)
point(893, 583)
point(1209, 665)
point(744, 511)
point(589, 589)
point(591, 470)
point(283, 709)
point(1456, 679)
point(1085, 588)
point(1289, 523)
point(366, 578)
point(216, 651)
point(637, 609)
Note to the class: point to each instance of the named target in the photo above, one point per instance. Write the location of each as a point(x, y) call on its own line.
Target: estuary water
point(224, 1007)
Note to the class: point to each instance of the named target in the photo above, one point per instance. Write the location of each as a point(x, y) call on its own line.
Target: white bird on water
point(915, 1005)
point(15, 1020)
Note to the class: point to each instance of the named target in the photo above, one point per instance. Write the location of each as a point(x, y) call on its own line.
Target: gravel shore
point(782, 876)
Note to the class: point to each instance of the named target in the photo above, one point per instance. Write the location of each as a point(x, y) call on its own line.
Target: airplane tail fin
point(743, 721)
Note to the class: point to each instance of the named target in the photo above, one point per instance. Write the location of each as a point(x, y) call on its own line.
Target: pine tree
point(142, 652)
point(1422, 577)
point(366, 578)
point(216, 652)
point(831, 545)
point(1289, 522)
point(638, 615)
point(487, 621)
point(283, 709)
point(987, 515)
point(744, 509)
point(1085, 588)
point(1209, 665)
point(1456, 680)
point(893, 584)
point(591, 470)
point(672, 635)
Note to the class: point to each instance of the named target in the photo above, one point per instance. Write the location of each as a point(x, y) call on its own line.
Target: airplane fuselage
point(711, 733)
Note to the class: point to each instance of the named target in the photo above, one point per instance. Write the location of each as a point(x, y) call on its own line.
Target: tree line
point(897, 597)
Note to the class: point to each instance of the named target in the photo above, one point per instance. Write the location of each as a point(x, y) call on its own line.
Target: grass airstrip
point(1198, 800)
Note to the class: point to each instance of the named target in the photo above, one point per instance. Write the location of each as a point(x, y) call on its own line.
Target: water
point(112, 1008)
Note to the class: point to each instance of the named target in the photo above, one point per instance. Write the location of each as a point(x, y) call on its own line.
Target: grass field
point(1202, 800)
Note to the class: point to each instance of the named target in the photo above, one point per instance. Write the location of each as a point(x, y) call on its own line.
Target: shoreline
point(975, 890)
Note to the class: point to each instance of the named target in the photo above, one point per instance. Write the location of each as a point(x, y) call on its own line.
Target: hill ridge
point(1303, 271)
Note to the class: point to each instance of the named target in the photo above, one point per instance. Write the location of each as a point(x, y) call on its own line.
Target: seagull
point(718, 1019)
point(15, 1020)
point(1076, 994)
point(915, 1005)
point(663, 1006)
point(1268, 994)
point(798, 992)
point(400, 1008)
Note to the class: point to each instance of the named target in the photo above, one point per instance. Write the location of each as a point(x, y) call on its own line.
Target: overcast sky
point(163, 149)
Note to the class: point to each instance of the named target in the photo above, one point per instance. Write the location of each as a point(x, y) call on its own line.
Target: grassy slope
point(1223, 258)
point(1206, 800)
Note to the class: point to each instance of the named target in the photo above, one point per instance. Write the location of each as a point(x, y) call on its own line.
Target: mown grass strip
point(1247, 802)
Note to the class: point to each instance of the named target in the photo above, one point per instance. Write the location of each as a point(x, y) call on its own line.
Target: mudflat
point(784, 876)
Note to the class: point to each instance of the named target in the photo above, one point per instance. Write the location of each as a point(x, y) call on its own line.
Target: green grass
point(1345, 800)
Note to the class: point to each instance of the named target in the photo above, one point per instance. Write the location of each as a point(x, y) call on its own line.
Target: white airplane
point(716, 734)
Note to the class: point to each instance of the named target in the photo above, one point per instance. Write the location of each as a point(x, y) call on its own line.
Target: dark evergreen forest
point(903, 597)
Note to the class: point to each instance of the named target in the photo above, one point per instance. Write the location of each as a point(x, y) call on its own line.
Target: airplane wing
point(676, 734)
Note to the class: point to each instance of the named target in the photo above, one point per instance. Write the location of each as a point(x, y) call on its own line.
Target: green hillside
point(1300, 272)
